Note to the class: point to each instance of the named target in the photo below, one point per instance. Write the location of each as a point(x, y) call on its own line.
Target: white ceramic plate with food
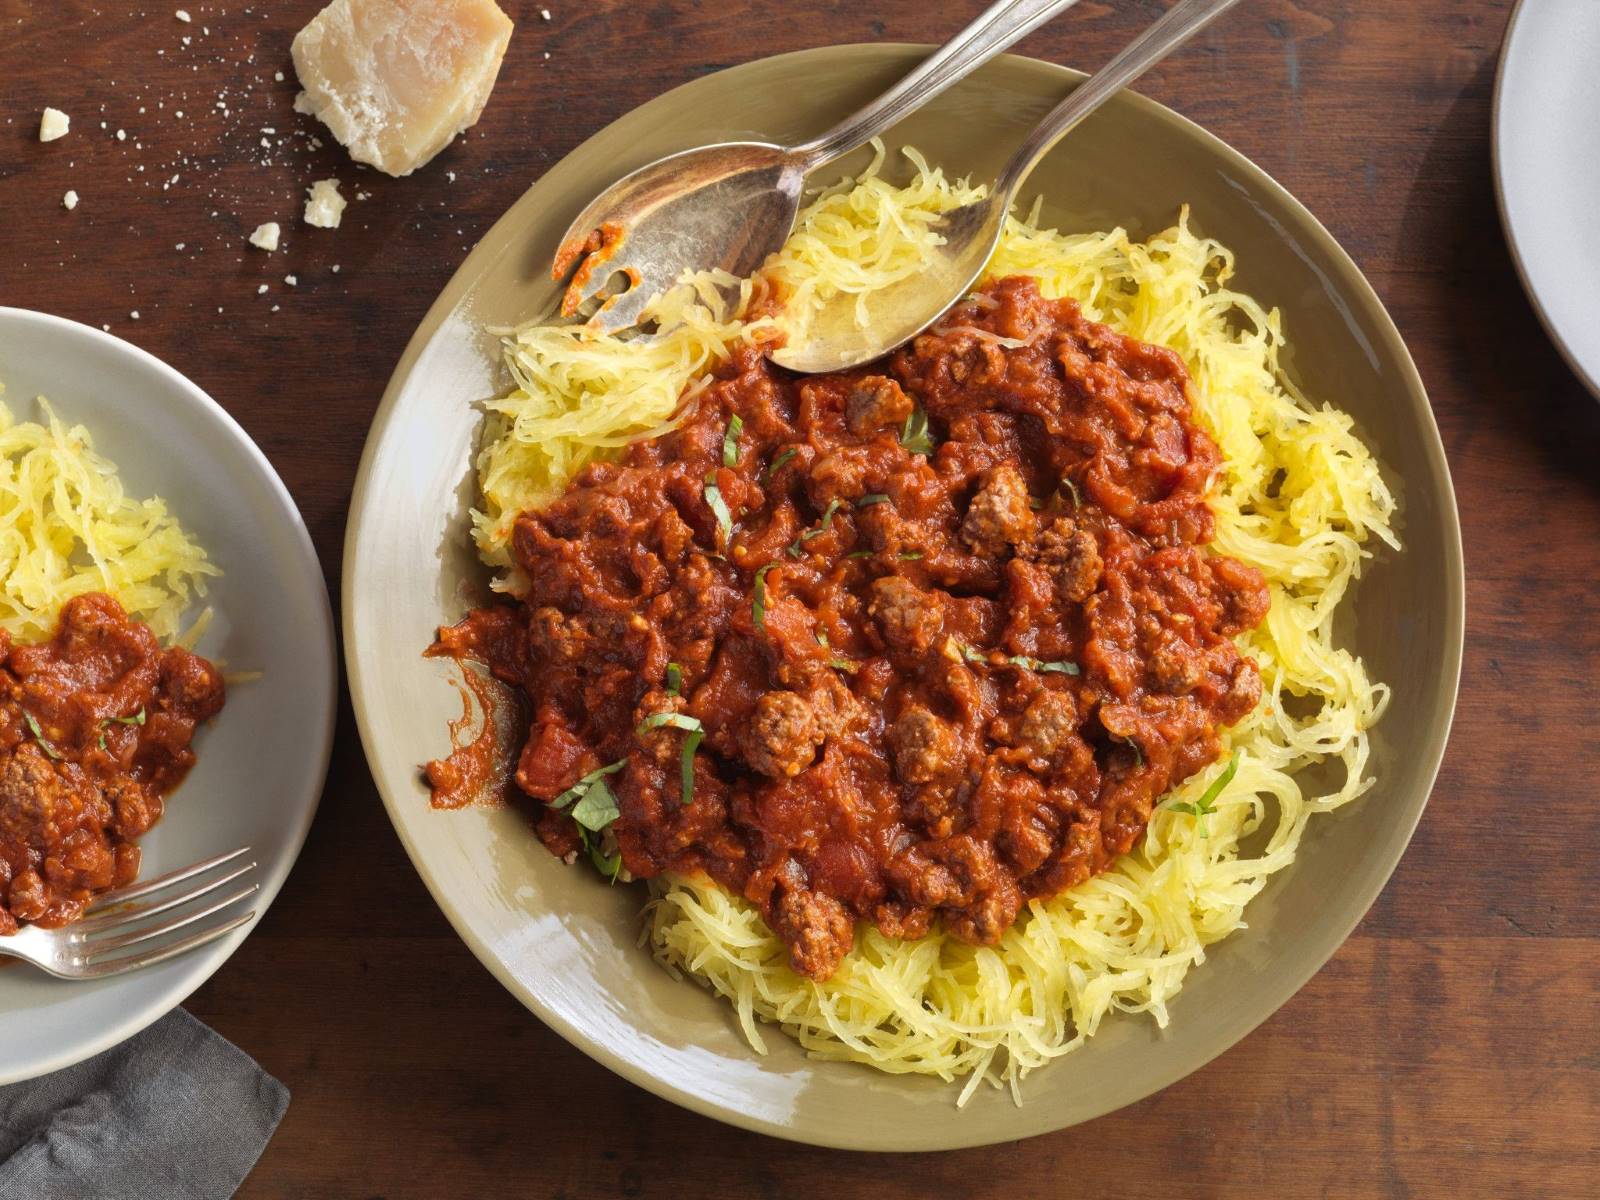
point(1547, 169)
point(263, 759)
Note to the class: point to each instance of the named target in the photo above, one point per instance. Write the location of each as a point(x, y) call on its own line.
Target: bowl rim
point(1497, 136)
point(206, 963)
point(1352, 282)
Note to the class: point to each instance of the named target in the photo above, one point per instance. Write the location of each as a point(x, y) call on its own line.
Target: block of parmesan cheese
point(396, 80)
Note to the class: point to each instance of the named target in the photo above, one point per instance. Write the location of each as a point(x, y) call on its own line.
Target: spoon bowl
point(726, 206)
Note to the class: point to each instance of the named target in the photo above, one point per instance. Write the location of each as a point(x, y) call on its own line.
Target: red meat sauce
point(930, 685)
point(95, 729)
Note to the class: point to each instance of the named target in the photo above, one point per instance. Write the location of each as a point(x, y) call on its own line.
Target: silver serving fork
point(144, 923)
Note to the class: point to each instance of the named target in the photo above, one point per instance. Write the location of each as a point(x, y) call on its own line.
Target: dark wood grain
point(1449, 1049)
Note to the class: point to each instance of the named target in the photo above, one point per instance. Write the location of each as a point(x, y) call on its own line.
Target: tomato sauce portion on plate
point(914, 642)
point(95, 729)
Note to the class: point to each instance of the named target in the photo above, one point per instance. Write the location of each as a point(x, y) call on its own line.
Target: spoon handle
point(994, 30)
point(1180, 23)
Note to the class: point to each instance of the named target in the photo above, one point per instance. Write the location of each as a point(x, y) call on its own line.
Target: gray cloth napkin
point(176, 1113)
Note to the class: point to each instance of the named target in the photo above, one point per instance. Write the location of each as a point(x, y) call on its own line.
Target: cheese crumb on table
point(324, 205)
point(266, 236)
point(397, 80)
point(69, 201)
point(182, 16)
point(53, 124)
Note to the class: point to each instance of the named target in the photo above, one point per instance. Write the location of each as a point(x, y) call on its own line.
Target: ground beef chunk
point(1072, 557)
point(925, 748)
point(1048, 721)
point(31, 790)
point(782, 736)
point(875, 403)
point(1244, 691)
point(1000, 515)
point(1246, 598)
point(1176, 665)
point(909, 617)
point(816, 927)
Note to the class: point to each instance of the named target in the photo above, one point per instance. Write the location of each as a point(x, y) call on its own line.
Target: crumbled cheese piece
point(69, 201)
point(53, 124)
point(182, 16)
point(544, 14)
point(134, 314)
point(278, 76)
point(397, 80)
point(291, 281)
point(324, 205)
point(262, 290)
point(334, 268)
point(122, 135)
point(266, 237)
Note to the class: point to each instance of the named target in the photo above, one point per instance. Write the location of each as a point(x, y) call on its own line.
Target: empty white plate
point(1547, 168)
point(262, 761)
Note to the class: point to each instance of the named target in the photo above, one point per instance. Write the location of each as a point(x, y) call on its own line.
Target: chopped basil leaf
point(759, 607)
point(102, 742)
point(576, 791)
point(777, 464)
point(730, 443)
point(675, 719)
point(136, 719)
point(1206, 805)
point(910, 555)
point(1077, 500)
point(674, 679)
point(38, 735)
point(914, 434)
point(690, 745)
point(827, 520)
point(718, 506)
point(609, 865)
point(872, 498)
point(1044, 668)
point(822, 638)
point(859, 554)
point(973, 654)
point(844, 664)
point(597, 808)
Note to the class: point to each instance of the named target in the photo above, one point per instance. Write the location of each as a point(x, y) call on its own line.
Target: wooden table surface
point(1450, 1047)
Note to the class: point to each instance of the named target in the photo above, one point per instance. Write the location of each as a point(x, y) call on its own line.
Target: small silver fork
point(117, 933)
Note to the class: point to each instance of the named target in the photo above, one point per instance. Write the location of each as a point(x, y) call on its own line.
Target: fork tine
point(119, 917)
point(95, 948)
point(585, 289)
point(135, 891)
point(135, 962)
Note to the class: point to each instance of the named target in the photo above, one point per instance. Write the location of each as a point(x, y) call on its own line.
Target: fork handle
point(1176, 26)
point(994, 30)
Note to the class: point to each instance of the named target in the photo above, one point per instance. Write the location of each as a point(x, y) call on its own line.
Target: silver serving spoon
point(731, 205)
point(833, 341)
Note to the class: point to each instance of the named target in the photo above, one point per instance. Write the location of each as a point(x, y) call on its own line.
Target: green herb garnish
point(674, 679)
point(1206, 805)
point(609, 865)
point(578, 790)
point(136, 719)
point(910, 555)
point(597, 808)
point(859, 554)
point(872, 498)
point(1077, 500)
point(38, 735)
point(777, 464)
point(827, 520)
point(914, 433)
point(1044, 668)
point(758, 607)
point(691, 743)
point(718, 506)
point(730, 442)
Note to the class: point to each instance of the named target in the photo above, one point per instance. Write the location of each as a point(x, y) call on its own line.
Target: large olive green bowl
point(567, 945)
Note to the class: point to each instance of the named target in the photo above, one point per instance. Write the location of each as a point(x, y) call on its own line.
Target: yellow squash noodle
point(68, 527)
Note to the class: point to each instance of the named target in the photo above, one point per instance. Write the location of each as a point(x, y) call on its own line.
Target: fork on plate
point(144, 923)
